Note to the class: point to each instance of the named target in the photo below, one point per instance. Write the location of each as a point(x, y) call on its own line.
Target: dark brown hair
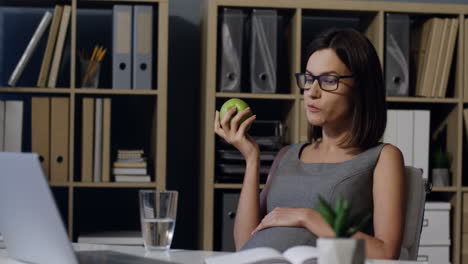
point(369, 116)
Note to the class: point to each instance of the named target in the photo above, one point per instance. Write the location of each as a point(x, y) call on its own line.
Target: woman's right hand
point(235, 134)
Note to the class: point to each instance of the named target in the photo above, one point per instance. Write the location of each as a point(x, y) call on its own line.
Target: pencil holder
point(90, 73)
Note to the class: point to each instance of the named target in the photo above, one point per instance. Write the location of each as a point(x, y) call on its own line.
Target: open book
point(264, 255)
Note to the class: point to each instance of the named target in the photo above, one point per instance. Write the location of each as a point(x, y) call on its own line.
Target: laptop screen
point(29, 220)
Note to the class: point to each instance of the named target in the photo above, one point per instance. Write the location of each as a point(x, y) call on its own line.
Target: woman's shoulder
point(390, 151)
point(390, 157)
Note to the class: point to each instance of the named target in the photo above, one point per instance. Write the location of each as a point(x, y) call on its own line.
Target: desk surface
point(175, 255)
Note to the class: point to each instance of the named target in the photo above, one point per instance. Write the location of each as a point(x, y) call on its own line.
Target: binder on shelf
point(232, 30)
point(87, 139)
point(430, 60)
point(40, 131)
point(51, 41)
point(122, 44)
point(465, 60)
point(13, 126)
point(229, 201)
point(54, 68)
point(263, 51)
point(142, 47)
point(405, 131)
point(2, 124)
point(97, 168)
point(422, 120)
point(440, 54)
point(59, 139)
point(397, 47)
point(465, 121)
point(390, 135)
point(447, 60)
point(419, 48)
point(30, 48)
point(106, 139)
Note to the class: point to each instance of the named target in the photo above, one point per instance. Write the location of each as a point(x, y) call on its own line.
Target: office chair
point(416, 190)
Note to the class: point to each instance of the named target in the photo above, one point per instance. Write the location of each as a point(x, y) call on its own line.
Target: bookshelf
point(96, 206)
point(303, 19)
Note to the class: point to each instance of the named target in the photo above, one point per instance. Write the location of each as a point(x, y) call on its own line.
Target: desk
point(176, 255)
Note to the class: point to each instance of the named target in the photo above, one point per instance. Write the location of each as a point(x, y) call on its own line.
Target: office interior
point(184, 113)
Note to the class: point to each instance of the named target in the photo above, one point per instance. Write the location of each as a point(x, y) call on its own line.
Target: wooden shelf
point(114, 184)
point(59, 184)
point(35, 90)
point(423, 100)
point(128, 1)
point(444, 189)
point(256, 96)
point(116, 92)
point(232, 186)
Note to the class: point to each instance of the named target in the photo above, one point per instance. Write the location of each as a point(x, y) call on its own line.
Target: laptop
point(30, 223)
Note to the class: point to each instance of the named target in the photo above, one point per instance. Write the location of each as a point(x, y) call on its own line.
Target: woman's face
point(332, 108)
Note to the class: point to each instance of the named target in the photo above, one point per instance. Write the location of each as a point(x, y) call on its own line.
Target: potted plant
point(342, 249)
point(440, 170)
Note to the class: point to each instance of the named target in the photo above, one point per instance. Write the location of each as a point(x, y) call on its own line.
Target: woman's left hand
point(281, 216)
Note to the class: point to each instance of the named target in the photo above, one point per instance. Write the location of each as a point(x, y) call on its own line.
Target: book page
point(301, 254)
point(250, 256)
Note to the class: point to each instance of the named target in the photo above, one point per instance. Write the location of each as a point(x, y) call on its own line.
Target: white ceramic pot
point(341, 251)
point(440, 177)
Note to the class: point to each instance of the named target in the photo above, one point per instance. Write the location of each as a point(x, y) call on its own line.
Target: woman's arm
point(234, 133)
point(389, 206)
point(251, 208)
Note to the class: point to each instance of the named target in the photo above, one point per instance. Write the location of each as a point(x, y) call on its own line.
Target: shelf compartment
point(20, 21)
point(98, 16)
point(105, 209)
point(127, 111)
point(243, 81)
point(315, 21)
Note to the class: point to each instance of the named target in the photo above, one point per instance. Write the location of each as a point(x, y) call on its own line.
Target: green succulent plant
point(339, 217)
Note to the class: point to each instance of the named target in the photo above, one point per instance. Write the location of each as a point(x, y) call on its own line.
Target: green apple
point(239, 104)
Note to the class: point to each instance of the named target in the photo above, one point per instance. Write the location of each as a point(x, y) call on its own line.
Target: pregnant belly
point(281, 238)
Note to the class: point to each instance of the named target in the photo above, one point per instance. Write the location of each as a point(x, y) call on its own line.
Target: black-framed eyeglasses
point(327, 82)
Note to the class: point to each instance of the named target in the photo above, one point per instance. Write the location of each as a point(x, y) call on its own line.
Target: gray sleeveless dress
point(296, 184)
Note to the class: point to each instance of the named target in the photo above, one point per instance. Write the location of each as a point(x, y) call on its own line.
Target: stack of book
point(130, 166)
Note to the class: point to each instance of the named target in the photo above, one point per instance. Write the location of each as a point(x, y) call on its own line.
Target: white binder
point(122, 46)
point(97, 169)
point(405, 134)
point(263, 51)
point(13, 126)
point(397, 50)
point(142, 47)
point(232, 30)
point(422, 121)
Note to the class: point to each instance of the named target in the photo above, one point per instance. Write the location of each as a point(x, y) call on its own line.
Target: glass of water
point(158, 210)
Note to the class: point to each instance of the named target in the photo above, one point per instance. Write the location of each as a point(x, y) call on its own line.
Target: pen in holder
point(91, 67)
